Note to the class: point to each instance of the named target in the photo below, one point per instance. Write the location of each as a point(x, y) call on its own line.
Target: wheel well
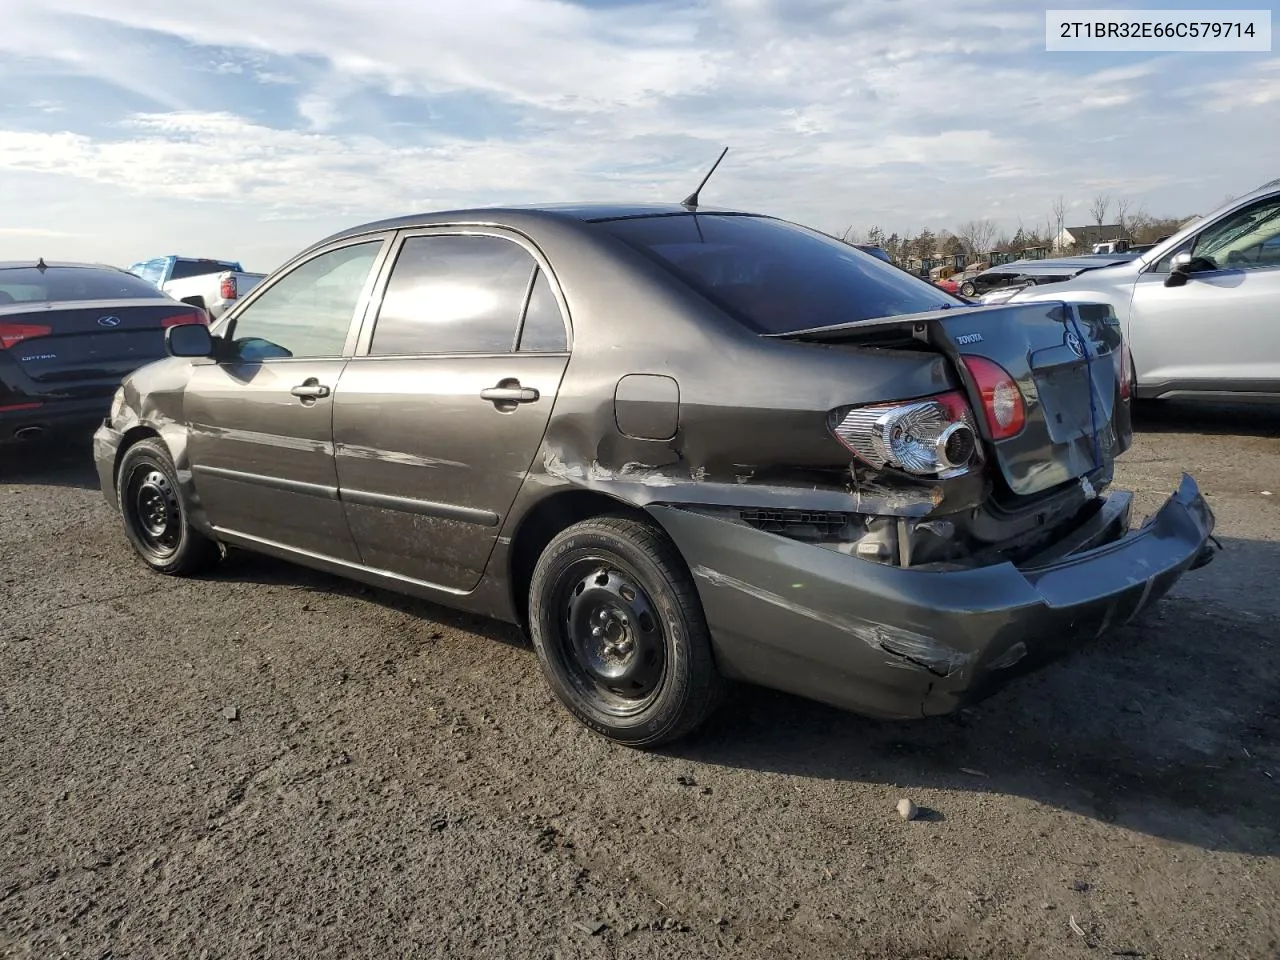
point(540, 526)
point(131, 436)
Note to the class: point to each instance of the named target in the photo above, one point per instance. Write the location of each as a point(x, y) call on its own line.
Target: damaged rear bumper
point(903, 643)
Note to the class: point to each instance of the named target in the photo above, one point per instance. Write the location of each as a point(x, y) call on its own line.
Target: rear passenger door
point(439, 414)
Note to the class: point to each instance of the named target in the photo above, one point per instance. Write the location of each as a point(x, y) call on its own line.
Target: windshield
point(776, 277)
point(32, 285)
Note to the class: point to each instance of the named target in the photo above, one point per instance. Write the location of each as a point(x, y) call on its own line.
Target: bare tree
point(1122, 214)
point(1059, 219)
point(1098, 209)
point(977, 236)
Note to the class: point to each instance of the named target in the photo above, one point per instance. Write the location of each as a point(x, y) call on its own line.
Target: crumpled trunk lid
point(1066, 360)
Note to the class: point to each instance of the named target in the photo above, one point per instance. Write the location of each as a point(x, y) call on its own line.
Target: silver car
point(1200, 311)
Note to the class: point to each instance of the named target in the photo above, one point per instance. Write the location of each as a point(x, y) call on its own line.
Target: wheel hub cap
point(614, 633)
point(157, 511)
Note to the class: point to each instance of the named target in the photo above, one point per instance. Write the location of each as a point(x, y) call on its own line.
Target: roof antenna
point(691, 201)
point(41, 265)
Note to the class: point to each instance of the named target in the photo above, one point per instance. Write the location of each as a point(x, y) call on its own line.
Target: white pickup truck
point(212, 285)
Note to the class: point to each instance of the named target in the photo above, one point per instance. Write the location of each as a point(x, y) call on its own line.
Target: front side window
point(453, 294)
point(1248, 238)
point(776, 277)
point(308, 312)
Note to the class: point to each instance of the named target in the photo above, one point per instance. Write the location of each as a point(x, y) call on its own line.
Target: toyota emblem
point(1073, 341)
point(108, 321)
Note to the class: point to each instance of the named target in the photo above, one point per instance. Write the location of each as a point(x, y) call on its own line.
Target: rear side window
point(776, 277)
point(543, 329)
point(54, 284)
point(453, 294)
point(199, 268)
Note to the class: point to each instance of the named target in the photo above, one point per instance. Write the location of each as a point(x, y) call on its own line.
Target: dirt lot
point(397, 780)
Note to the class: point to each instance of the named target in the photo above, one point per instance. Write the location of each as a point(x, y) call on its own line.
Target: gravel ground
point(272, 762)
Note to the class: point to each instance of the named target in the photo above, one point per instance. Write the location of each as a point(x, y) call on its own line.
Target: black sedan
point(69, 333)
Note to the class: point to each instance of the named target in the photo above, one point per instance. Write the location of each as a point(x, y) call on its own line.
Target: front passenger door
point(1221, 330)
point(260, 420)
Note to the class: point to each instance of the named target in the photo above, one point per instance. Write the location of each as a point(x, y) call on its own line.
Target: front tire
point(620, 632)
point(155, 518)
point(968, 289)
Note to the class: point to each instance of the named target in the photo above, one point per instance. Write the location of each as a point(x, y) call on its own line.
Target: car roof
point(1060, 264)
point(33, 264)
point(586, 212)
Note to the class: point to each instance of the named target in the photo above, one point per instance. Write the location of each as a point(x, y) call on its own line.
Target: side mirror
point(1183, 265)
point(189, 340)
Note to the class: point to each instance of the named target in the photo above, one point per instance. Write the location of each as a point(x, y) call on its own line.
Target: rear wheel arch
point(539, 527)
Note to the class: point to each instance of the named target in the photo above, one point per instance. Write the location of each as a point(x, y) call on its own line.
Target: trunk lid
point(88, 347)
point(1066, 360)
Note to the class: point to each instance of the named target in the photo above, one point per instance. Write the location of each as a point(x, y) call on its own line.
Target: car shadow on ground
point(64, 461)
point(1198, 416)
point(244, 566)
point(1169, 727)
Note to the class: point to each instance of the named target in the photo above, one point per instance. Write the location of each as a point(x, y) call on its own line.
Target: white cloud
point(836, 112)
point(1256, 88)
point(34, 232)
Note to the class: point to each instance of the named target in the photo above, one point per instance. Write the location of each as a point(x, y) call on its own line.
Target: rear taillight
point(13, 407)
point(178, 319)
point(1002, 403)
point(12, 334)
point(228, 290)
point(932, 437)
point(1125, 374)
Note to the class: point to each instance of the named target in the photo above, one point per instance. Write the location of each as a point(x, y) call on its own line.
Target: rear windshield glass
point(776, 277)
point(29, 285)
point(199, 268)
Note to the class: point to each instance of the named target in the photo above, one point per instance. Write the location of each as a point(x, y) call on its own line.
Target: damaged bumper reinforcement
point(899, 642)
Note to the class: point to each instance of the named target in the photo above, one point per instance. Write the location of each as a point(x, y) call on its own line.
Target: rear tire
point(155, 518)
point(967, 289)
point(620, 633)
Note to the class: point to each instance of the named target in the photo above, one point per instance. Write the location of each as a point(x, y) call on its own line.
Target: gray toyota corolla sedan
point(676, 446)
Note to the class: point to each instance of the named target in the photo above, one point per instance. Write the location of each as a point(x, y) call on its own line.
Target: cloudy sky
point(245, 130)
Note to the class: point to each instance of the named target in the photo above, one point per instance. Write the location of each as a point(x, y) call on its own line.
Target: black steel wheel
point(620, 633)
point(155, 518)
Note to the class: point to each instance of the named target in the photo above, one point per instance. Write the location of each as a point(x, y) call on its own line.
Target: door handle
point(310, 390)
point(514, 394)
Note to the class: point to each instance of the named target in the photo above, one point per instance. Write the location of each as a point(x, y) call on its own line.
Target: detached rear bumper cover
point(901, 643)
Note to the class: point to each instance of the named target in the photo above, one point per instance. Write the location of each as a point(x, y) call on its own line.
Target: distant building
point(1085, 237)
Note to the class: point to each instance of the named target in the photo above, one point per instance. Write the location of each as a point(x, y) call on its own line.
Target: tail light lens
point(1002, 403)
point(1124, 376)
point(12, 334)
point(178, 319)
point(228, 287)
point(933, 437)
